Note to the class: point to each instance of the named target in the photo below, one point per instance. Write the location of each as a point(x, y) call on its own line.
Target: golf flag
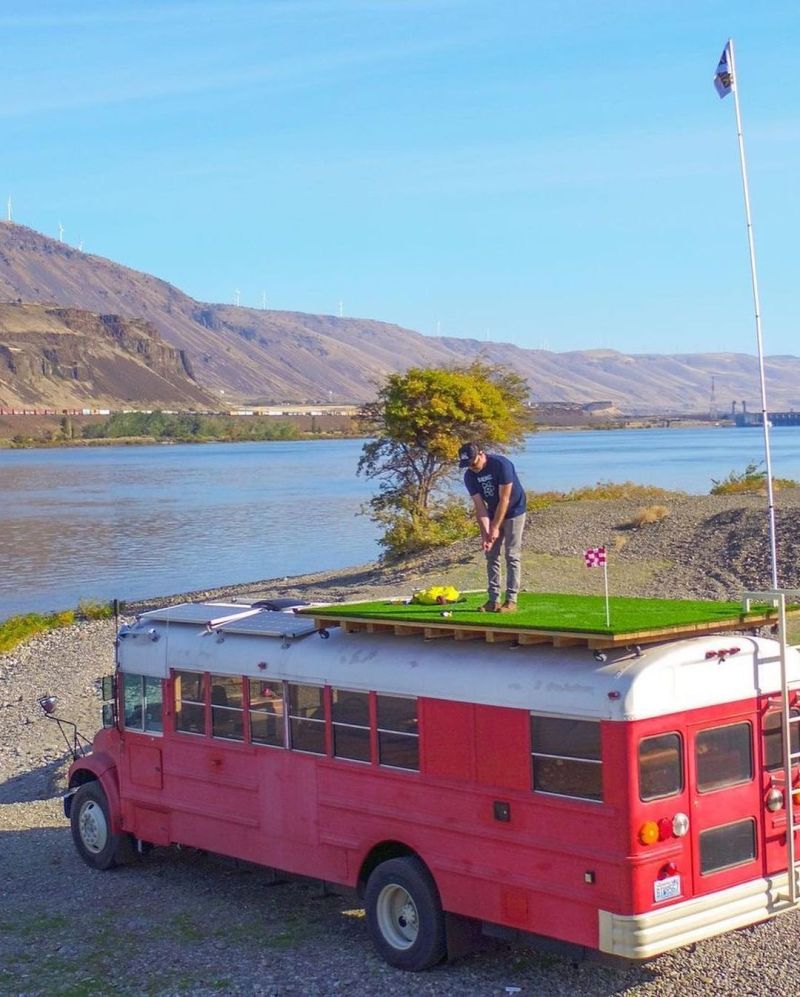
point(723, 79)
point(595, 557)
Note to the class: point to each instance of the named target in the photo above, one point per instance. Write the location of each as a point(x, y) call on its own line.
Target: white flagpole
point(605, 585)
point(757, 306)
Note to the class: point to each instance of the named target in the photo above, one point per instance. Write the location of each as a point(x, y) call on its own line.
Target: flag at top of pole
point(723, 79)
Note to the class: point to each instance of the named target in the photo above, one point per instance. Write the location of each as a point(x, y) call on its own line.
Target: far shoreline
point(670, 423)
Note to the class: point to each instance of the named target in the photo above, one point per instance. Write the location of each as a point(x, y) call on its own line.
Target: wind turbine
point(236, 295)
point(10, 216)
point(264, 300)
point(341, 309)
point(60, 232)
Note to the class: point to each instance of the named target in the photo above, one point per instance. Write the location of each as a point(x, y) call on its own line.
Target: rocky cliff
point(68, 358)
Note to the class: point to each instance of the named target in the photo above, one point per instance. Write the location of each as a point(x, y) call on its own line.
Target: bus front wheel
point(97, 844)
point(404, 914)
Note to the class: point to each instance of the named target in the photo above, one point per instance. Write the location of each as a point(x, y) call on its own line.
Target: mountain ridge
point(271, 356)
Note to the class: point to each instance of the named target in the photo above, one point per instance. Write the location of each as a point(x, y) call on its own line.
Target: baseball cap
point(468, 453)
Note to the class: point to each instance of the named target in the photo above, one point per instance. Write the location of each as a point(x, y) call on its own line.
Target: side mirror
point(48, 705)
point(109, 714)
point(109, 687)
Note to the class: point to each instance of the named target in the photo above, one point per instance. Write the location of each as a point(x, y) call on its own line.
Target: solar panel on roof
point(235, 618)
point(272, 624)
point(194, 612)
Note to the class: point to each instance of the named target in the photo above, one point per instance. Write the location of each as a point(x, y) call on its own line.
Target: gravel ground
point(180, 922)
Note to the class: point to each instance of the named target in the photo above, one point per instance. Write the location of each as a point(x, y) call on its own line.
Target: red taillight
point(667, 870)
point(665, 828)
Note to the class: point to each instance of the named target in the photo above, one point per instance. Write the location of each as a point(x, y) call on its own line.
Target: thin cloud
point(110, 14)
point(294, 72)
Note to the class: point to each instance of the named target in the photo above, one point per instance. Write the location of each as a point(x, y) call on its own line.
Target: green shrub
point(89, 609)
point(189, 426)
point(604, 491)
point(406, 534)
point(19, 628)
point(752, 480)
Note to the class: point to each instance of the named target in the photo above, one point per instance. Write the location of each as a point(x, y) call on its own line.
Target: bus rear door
point(725, 790)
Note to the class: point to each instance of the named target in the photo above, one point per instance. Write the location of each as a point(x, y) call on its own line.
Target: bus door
point(725, 818)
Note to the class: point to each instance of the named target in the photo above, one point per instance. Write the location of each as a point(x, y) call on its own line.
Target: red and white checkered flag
point(595, 557)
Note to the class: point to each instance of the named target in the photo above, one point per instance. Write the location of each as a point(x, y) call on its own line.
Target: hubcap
point(398, 918)
point(93, 827)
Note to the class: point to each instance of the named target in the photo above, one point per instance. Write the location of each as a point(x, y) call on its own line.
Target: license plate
point(666, 889)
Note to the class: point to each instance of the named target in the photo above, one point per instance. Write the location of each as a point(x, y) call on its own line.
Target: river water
point(135, 522)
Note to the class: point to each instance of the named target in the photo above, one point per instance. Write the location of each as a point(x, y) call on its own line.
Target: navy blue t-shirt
point(497, 471)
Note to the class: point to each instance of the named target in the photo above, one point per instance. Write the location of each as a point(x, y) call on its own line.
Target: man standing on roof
point(499, 501)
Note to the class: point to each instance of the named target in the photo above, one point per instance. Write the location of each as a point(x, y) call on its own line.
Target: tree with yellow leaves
point(417, 423)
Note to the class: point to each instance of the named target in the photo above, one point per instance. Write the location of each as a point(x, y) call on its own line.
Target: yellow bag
point(436, 595)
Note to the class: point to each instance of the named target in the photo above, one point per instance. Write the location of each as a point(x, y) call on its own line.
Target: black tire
point(404, 915)
point(97, 844)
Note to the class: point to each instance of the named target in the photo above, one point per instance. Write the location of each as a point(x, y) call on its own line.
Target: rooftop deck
point(550, 618)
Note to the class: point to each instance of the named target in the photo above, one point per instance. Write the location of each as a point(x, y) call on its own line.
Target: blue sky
point(553, 174)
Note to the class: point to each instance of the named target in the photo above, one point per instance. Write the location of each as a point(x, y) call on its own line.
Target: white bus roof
point(659, 679)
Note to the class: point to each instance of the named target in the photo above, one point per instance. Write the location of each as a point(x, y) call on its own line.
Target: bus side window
point(267, 709)
point(132, 701)
point(152, 705)
point(566, 757)
point(306, 718)
point(398, 732)
point(660, 766)
point(227, 707)
point(190, 702)
point(724, 757)
point(773, 739)
point(350, 719)
point(141, 703)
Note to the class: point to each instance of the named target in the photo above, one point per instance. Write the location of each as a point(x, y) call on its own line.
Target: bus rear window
point(724, 757)
point(660, 766)
point(724, 847)
point(566, 757)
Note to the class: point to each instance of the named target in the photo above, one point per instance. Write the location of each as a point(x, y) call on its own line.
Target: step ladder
point(789, 722)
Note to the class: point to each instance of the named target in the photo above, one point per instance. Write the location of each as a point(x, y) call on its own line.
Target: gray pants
point(511, 536)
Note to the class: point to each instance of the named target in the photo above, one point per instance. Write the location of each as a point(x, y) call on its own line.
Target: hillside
point(68, 358)
point(272, 356)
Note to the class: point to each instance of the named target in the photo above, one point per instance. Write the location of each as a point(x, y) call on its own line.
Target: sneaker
point(507, 607)
point(489, 607)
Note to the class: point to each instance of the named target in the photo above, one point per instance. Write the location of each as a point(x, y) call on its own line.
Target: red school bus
point(627, 803)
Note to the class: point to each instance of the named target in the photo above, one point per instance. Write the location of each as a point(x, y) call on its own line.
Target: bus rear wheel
point(404, 914)
point(97, 844)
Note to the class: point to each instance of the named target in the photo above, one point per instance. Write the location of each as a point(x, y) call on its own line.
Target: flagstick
point(757, 306)
point(605, 584)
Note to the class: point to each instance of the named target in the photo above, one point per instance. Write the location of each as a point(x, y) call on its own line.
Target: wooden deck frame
point(525, 636)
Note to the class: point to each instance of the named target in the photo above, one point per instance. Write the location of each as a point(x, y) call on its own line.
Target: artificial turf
point(554, 611)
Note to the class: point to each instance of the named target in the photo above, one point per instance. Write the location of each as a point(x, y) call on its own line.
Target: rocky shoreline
point(709, 546)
